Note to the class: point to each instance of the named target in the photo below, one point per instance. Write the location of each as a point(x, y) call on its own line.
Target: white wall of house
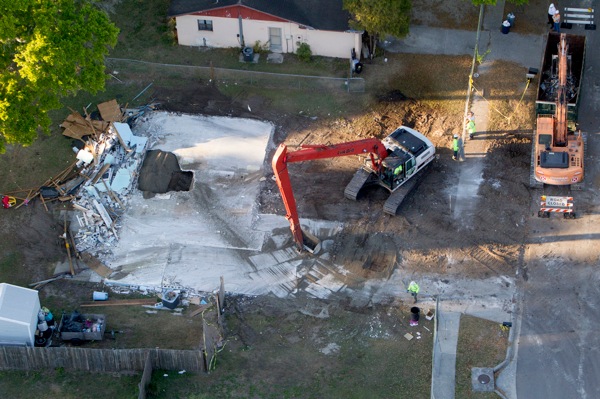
point(225, 34)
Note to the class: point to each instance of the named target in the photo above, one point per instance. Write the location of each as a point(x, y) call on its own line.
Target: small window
point(205, 24)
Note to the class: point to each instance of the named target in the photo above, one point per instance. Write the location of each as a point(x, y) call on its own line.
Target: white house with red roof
point(281, 25)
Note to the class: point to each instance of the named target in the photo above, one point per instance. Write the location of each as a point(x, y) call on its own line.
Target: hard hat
point(557, 12)
point(456, 136)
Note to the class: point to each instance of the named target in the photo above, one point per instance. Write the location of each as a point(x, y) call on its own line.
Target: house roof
point(318, 14)
point(17, 304)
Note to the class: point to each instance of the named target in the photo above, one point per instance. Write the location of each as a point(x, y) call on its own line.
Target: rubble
point(107, 166)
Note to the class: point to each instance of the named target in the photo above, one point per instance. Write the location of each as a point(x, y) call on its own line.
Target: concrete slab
point(482, 379)
point(255, 58)
point(275, 58)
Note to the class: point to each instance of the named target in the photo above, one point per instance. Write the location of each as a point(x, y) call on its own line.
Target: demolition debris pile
point(109, 159)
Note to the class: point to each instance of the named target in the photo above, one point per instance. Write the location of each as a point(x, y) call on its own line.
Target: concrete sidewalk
point(444, 367)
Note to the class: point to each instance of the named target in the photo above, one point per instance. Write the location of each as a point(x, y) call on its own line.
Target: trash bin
point(414, 314)
point(248, 54)
point(511, 19)
point(505, 27)
point(356, 66)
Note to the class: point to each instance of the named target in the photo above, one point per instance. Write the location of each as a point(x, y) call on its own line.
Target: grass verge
point(67, 385)
point(481, 343)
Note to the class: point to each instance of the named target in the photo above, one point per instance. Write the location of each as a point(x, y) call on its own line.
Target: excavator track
point(360, 178)
point(579, 186)
point(533, 182)
point(397, 197)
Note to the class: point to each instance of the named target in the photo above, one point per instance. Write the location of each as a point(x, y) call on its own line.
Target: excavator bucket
point(310, 242)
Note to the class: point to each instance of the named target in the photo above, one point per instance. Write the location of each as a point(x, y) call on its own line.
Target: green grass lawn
point(67, 385)
point(481, 343)
point(283, 355)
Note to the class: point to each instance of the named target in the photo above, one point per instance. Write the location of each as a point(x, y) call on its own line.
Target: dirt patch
point(445, 14)
point(30, 240)
point(198, 97)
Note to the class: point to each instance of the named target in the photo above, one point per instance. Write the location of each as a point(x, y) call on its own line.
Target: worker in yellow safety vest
point(413, 289)
point(398, 170)
point(455, 147)
point(471, 128)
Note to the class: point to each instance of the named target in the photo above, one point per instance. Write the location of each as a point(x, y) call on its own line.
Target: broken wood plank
point(200, 309)
point(95, 264)
point(68, 247)
point(28, 200)
point(112, 194)
point(44, 202)
point(120, 302)
point(100, 173)
point(110, 110)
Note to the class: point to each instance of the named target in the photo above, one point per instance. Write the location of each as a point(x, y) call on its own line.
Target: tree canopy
point(380, 17)
point(49, 49)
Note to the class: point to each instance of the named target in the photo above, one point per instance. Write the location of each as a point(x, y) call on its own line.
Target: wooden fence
point(98, 360)
point(145, 380)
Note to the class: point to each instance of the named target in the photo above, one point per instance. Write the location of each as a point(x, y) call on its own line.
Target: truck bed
point(545, 103)
point(82, 327)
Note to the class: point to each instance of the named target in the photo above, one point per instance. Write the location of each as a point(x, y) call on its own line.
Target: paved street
point(559, 336)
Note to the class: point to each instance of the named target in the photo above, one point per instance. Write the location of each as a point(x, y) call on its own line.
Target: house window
point(205, 24)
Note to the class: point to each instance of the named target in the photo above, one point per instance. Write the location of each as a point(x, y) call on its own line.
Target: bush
point(260, 47)
point(304, 52)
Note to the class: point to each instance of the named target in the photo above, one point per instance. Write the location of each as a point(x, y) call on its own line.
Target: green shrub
point(304, 52)
point(259, 47)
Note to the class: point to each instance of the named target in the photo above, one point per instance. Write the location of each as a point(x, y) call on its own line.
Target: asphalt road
point(560, 331)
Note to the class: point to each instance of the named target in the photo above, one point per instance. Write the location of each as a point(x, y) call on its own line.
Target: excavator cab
point(396, 168)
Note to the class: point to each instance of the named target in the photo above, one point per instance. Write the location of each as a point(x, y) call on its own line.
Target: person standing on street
point(413, 289)
point(551, 12)
point(470, 116)
point(557, 22)
point(471, 128)
point(455, 147)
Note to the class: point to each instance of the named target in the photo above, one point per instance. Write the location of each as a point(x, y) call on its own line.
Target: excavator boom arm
point(312, 152)
point(373, 147)
point(561, 132)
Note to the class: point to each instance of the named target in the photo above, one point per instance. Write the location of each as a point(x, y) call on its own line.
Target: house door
point(275, 40)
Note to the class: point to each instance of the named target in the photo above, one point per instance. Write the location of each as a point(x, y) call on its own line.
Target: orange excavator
point(391, 163)
point(559, 150)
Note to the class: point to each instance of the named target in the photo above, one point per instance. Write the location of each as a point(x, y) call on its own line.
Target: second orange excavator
point(559, 150)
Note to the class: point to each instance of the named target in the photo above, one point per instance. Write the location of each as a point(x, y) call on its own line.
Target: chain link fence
point(127, 69)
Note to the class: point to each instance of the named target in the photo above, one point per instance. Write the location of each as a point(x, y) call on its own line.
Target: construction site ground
point(472, 239)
